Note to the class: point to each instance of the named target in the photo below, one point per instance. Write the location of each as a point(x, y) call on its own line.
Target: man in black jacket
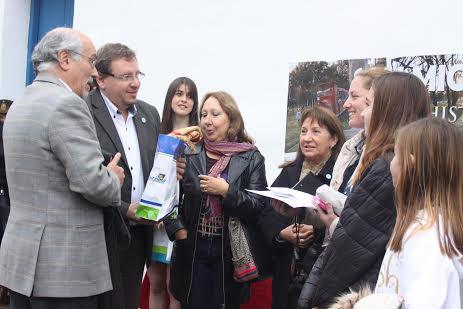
point(131, 127)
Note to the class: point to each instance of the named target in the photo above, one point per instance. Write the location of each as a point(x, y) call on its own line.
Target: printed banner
point(327, 83)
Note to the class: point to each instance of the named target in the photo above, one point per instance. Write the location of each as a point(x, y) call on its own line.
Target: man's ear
point(100, 81)
point(63, 58)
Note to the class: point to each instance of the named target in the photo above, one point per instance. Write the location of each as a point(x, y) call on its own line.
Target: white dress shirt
point(128, 136)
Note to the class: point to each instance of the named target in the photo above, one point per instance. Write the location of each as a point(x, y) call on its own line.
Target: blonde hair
point(430, 160)
point(369, 75)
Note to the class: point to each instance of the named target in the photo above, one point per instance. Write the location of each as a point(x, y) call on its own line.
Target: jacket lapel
point(294, 172)
point(102, 115)
point(197, 159)
point(238, 164)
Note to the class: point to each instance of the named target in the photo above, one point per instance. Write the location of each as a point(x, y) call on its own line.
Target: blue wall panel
point(46, 15)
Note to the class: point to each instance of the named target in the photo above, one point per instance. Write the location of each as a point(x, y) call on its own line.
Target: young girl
point(423, 262)
point(180, 111)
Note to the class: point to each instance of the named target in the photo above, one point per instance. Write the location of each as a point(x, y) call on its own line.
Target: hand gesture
point(181, 165)
point(116, 169)
point(306, 234)
point(181, 234)
point(213, 185)
point(131, 214)
point(327, 215)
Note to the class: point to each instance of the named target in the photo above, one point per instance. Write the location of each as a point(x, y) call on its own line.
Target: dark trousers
point(132, 263)
point(207, 285)
point(19, 301)
point(113, 299)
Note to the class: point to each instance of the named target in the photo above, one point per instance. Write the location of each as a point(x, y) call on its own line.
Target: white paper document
point(293, 198)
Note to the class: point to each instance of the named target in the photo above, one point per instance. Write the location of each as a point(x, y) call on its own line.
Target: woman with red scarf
point(214, 184)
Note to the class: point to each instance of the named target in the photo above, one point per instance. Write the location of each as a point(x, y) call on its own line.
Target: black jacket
point(289, 177)
point(245, 171)
point(358, 244)
point(116, 224)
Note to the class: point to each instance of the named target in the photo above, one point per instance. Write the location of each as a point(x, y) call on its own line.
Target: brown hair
point(167, 113)
point(430, 159)
point(399, 98)
point(236, 131)
point(110, 52)
point(326, 119)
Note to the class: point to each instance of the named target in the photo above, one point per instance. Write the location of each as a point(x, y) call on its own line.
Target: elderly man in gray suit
point(53, 253)
point(131, 127)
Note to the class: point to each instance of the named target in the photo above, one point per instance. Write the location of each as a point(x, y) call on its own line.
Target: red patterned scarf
point(225, 150)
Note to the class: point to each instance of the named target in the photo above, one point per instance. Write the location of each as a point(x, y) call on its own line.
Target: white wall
point(246, 47)
point(14, 29)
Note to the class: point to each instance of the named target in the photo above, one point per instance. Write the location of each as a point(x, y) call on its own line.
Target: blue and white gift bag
point(161, 194)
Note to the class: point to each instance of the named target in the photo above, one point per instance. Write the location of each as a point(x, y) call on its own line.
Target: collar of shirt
point(65, 85)
point(113, 109)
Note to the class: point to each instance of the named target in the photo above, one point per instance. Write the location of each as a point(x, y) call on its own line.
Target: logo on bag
point(160, 178)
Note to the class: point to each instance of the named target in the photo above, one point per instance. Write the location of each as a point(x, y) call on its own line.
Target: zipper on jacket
point(193, 260)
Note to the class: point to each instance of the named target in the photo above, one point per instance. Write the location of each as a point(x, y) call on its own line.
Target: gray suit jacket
point(54, 244)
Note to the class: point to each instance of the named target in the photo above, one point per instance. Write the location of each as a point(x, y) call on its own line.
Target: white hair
point(44, 56)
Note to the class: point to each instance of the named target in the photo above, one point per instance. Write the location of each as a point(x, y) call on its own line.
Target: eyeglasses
point(126, 77)
point(91, 60)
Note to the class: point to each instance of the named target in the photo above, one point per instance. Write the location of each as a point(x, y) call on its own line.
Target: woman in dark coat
point(214, 187)
point(321, 138)
point(358, 243)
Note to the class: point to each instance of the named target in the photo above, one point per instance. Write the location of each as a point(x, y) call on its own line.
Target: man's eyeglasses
point(126, 77)
point(91, 60)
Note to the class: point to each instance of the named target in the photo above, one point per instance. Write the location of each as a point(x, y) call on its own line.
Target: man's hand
point(133, 217)
point(213, 185)
point(289, 234)
point(181, 165)
point(116, 169)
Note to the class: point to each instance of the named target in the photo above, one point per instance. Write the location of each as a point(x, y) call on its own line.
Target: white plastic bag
point(161, 193)
point(331, 196)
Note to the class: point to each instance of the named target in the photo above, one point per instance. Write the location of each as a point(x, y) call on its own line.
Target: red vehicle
point(331, 96)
